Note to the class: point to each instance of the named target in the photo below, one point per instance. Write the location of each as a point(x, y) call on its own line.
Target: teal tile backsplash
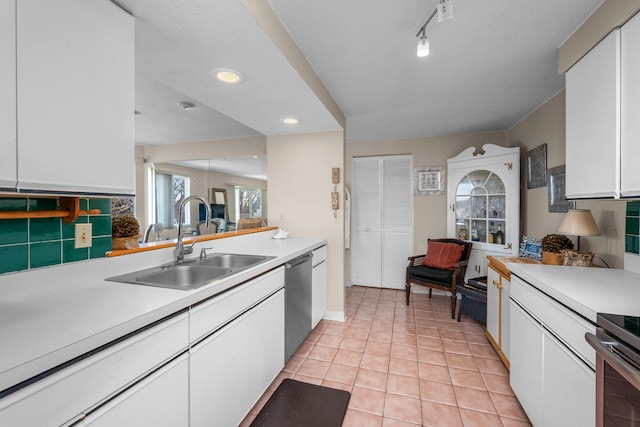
point(632, 228)
point(40, 242)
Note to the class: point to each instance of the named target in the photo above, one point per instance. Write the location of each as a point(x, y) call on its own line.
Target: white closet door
point(397, 219)
point(366, 221)
point(382, 220)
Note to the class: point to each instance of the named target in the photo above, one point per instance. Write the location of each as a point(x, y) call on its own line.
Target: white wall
point(299, 184)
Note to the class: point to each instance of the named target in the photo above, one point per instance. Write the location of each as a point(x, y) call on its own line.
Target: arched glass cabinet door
point(480, 208)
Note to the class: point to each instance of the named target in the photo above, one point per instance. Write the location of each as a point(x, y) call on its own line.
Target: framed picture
point(556, 190)
point(537, 167)
point(428, 180)
point(531, 248)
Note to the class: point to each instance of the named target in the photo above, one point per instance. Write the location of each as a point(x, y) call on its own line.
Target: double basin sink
point(192, 273)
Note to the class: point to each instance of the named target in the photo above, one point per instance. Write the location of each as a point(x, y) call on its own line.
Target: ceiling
point(489, 66)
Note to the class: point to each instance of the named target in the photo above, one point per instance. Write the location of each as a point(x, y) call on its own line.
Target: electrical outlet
point(82, 236)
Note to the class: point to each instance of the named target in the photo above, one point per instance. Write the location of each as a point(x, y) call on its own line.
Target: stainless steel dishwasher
point(297, 295)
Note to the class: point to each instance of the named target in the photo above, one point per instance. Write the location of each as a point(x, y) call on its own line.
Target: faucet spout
point(181, 249)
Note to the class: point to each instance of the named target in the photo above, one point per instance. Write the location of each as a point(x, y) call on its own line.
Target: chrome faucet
point(181, 249)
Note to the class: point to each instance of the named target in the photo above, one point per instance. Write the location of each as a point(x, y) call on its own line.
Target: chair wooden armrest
point(416, 260)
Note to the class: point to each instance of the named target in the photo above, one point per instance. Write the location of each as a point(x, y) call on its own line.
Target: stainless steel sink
point(232, 260)
point(192, 273)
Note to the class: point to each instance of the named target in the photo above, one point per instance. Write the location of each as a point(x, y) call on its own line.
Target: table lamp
point(579, 222)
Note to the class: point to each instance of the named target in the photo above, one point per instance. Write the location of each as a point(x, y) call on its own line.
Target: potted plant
point(552, 246)
point(125, 232)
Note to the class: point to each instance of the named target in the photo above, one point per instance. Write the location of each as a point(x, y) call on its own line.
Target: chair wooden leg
point(453, 305)
point(407, 289)
point(430, 292)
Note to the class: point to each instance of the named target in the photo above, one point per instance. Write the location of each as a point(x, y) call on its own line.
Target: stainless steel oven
point(617, 346)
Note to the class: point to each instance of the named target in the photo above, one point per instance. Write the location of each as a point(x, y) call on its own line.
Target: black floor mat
point(295, 403)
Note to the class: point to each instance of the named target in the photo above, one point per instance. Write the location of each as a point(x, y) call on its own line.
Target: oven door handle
point(615, 361)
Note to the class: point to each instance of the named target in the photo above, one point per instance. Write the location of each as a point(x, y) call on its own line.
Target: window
point(249, 203)
point(168, 192)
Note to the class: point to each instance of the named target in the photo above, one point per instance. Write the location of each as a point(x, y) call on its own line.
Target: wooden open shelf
point(69, 211)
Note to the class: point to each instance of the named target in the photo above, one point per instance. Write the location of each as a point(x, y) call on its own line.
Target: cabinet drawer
point(560, 320)
point(319, 255)
point(82, 386)
point(210, 315)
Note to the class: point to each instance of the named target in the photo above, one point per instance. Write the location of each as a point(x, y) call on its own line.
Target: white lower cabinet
point(498, 292)
point(230, 370)
point(64, 396)
point(161, 400)
point(525, 375)
point(318, 285)
point(551, 370)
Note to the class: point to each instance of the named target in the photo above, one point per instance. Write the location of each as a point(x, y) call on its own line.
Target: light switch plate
point(82, 236)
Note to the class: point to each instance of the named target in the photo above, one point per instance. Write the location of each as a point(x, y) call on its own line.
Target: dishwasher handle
point(297, 261)
point(604, 349)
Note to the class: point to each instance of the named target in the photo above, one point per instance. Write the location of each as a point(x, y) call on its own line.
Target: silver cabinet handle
point(616, 362)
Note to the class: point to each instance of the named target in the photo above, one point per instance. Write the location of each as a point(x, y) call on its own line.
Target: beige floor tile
point(402, 408)
point(313, 368)
point(355, 418)
point(477, 400)
point(440, 415)
point(390, 422)
point(456, 347)
point(508, 406)
point(367, 400)
point(329, 340)
point(438, 392)
point(375, 362)
point(341, 373)
point(402, 385)
point(348, 357)
point(467, 378)
point(472, 418)
point(433, 372)
point(510, 422)
point(372, 379)
point(403, 367)
point(435, 357)
point(404, 352)
point(462, 361)
point(497, 383)
point(491, 366)
point(379, 348)
point(353, 344)
point(321, 352)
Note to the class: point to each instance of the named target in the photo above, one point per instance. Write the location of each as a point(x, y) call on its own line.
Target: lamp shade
point(579, 222)
point(423, 47)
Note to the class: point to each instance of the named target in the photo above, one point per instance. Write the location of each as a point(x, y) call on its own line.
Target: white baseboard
point(335, 315)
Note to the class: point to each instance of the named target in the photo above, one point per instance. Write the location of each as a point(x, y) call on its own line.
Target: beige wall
point(547, 125)
point(299, 186)
point(429, 212)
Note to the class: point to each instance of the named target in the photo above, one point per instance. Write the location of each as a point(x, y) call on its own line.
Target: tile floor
point(406, 365)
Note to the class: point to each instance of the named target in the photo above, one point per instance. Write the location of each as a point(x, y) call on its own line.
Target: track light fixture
point(444, 9)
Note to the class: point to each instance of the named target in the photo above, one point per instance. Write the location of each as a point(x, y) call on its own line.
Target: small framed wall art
point(556, 190)
point(537, 167)
point(428, 180)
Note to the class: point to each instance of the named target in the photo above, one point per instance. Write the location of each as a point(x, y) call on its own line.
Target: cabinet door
point(525, 375)
point(8, 152)
point(505, 318)
point(569, 388)
point(493, 305)
point(161, 400)
point(630, 98)
point(478, 264)
point(75, 61)
point(230, 370)
point(318, 281)
point(593, 122)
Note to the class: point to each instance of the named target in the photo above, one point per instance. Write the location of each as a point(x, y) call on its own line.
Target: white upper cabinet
point(8, 174)
point(630, 97)
point(75, 83)
point(593, 122)
point(603, 131)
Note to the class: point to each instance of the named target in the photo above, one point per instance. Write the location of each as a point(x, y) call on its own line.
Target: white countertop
point(585, 290)
point(51, 315)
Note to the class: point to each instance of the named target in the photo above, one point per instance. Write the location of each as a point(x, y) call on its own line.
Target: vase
point(119, 243)
point(552, 258)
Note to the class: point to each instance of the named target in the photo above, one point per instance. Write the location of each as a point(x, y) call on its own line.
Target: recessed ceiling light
point(227, 75)
point(290, 121)
point(186, 105)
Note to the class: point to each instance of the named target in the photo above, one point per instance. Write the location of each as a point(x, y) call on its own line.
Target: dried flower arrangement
point(125, 226)
point(556, 243)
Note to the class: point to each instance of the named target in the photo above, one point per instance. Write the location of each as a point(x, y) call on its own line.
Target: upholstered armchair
point(443, 267)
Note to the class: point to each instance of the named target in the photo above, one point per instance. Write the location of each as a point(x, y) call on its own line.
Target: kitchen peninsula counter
point(50, 316)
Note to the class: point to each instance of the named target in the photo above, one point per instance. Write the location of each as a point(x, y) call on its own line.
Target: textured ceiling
point(489, 66)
